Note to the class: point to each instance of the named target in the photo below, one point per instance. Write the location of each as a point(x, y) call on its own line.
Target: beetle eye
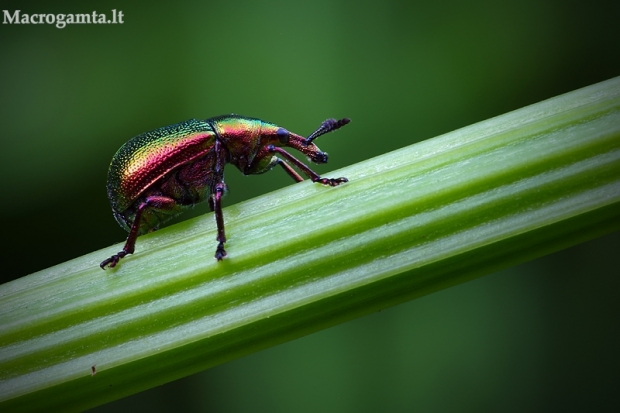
point(282, 135)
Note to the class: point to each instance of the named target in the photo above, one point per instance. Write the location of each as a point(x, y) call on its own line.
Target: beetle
point(157, 175)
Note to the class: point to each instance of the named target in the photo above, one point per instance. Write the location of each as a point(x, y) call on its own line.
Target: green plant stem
point(306, 257)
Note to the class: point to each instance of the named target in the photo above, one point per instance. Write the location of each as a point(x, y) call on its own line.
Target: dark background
point(538, 337)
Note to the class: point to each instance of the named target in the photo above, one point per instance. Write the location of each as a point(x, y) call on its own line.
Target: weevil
point(157, 175)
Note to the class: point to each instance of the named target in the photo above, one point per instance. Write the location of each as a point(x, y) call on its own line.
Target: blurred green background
point(538, 337)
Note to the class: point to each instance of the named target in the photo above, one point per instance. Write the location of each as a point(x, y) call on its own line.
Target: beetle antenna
point(327, 126)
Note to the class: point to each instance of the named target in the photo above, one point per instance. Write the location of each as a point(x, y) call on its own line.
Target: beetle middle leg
point(158, 202)
point(215, 202)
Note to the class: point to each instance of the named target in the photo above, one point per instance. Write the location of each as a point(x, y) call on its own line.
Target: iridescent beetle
point(157, 175)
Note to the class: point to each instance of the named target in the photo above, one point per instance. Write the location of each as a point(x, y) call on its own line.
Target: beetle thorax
point(241, 137)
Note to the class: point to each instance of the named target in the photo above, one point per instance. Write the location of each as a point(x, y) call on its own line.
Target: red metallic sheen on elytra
point(146, 158)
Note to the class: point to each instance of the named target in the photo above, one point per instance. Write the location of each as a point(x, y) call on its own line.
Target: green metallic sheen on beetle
point(159, 174)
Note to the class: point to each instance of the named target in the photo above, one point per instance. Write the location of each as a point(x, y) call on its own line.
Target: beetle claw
point(113, 260)
point(220, 253)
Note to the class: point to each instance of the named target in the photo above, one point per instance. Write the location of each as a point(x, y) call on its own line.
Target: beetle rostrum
point(159, 174)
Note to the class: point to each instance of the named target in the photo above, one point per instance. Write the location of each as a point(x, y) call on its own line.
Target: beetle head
point(272, 135)
point(312, 152)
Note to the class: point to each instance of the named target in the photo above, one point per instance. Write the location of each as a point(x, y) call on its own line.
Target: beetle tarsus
point(220, 253)
point(113, 260)
point(332, 181)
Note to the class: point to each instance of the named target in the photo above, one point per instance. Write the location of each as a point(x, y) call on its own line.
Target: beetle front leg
point(159, 202)
point(304, 168)
point(290, 171)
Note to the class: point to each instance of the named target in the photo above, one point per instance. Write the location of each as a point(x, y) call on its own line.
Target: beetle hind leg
point(159, 202)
